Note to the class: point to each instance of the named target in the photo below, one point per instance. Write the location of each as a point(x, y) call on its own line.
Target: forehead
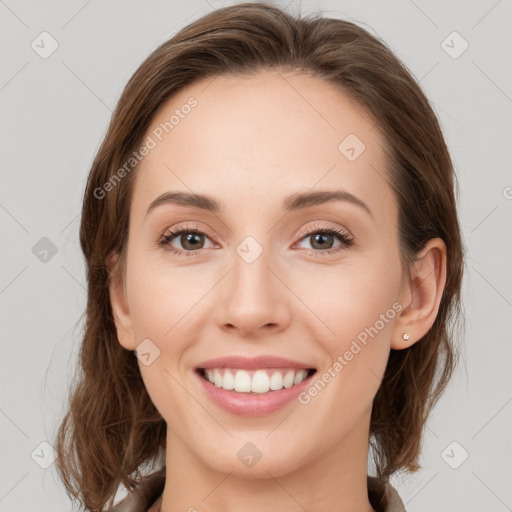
point(262, 136)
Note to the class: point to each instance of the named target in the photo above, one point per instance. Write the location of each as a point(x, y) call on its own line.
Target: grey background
point(54, 114)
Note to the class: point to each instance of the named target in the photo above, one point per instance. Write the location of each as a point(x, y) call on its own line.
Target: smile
point(258, 381)
point(261, 387)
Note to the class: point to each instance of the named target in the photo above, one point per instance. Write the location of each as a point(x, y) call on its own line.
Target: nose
point(254, 301)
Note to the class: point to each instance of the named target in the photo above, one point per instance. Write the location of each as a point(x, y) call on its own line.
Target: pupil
point(191, 238)
point(322, 237)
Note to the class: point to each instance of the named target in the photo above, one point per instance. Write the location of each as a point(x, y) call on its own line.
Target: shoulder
point(146, 492)
point(383, 496)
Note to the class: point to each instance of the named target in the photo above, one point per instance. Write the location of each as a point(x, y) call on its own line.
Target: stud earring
point(405, 336)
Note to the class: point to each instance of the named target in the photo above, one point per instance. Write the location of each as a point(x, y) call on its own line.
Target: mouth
point(257, 381)
point(253, 386)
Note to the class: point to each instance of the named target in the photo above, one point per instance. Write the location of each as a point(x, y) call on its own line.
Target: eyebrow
point(294, 202)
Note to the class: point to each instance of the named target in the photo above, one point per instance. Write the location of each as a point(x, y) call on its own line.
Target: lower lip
point(252, 404)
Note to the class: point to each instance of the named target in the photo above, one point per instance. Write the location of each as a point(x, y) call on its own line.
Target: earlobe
point(421, 295)
point(119, 303)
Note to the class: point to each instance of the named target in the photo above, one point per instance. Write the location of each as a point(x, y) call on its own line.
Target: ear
point(421, 294)
point(119, 303)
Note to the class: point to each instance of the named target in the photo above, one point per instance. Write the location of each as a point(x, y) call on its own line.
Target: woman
point(274, 265)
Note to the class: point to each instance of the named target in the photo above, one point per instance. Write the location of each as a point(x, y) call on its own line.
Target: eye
point(190, 238)
point(323, 238)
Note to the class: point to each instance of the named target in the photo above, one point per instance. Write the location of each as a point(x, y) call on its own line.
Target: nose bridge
point(255, 298)
point(251, 272)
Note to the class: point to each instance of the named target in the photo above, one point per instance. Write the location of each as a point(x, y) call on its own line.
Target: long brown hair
point(112, 427)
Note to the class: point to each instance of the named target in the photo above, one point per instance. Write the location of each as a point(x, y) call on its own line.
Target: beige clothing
point(146, 497)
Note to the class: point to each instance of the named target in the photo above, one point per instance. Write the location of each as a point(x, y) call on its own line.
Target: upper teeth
point(260, 382)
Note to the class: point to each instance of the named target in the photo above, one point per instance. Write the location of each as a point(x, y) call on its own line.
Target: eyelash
point(345, 239)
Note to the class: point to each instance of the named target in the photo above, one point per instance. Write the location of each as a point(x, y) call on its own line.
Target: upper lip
point(252, 363)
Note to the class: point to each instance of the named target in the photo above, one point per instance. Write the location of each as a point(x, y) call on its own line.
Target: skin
point(249, 143)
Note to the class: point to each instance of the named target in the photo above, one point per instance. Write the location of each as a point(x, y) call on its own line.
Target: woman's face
point(266, 277)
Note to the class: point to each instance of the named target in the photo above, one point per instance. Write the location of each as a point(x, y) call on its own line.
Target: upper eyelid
point(208, 230)
point(312, 229)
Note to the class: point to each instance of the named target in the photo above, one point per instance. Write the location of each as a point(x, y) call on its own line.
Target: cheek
point(161, 298)
point(349, 299)
point(162, 311)
point(167, 307)
point(357, 308)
